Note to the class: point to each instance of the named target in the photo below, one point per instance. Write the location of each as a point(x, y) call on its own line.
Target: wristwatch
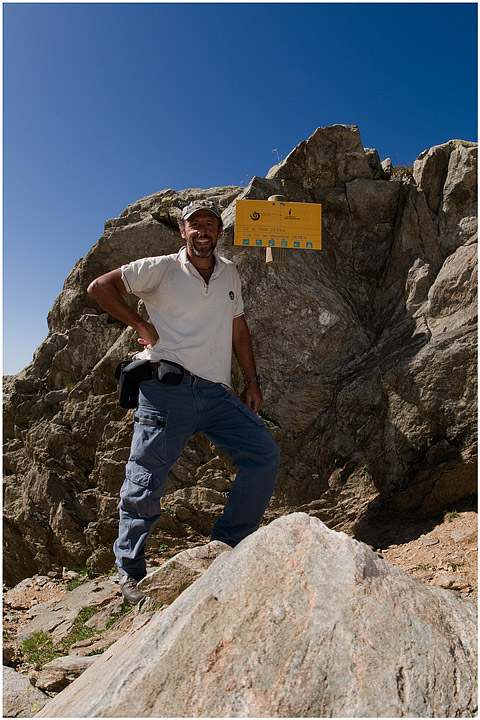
point(255, 378)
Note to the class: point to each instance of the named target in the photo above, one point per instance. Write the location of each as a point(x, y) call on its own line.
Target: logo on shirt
point(231, 295)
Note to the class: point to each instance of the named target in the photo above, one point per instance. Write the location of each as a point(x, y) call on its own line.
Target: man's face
point(201, 232)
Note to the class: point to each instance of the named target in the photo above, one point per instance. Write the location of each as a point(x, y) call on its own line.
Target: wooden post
point(276, 257)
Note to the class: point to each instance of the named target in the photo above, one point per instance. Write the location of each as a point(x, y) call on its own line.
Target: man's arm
point(108, 290)
point(242, 344)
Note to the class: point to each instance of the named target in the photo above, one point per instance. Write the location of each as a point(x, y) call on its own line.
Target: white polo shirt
point(193, 319)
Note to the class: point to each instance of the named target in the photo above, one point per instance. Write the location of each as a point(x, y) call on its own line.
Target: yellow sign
point(267, 223)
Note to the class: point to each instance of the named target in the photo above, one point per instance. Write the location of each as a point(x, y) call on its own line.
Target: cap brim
point(185, 217)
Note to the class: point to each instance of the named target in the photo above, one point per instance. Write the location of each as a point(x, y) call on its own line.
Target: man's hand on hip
point(148, 334)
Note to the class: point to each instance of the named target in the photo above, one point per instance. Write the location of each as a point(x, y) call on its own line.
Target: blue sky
point(105, 103)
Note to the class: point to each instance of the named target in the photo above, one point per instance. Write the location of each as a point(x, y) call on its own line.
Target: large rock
point(297, 621)
point(368, 350)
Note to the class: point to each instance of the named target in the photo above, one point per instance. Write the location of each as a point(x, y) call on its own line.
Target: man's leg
point(163, 424)
point(235, 430)
point(139, 507)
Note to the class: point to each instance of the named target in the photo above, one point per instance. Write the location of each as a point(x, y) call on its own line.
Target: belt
point(150, 421)
point(155, 368)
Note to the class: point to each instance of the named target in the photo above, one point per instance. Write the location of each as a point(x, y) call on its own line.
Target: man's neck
point(205, 266)
point(202, 264)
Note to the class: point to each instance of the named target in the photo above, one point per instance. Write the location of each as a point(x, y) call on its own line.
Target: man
point(195, 309)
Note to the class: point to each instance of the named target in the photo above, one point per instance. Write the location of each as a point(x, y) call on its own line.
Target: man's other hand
point(253, 397)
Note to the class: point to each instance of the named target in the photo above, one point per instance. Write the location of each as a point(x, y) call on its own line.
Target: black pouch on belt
point(130, 373)
point(169, 372)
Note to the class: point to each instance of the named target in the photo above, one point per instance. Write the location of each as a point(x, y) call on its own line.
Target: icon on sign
point(296, 244)
point(258, 242)
point(246, 241)
point(255, 215)
point(309, 245)
point(284, 243)
point(271, 243)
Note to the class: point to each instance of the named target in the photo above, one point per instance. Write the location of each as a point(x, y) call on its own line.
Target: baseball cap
point(192, 207)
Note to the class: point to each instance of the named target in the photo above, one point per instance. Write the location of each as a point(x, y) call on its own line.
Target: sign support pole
point(276, 257)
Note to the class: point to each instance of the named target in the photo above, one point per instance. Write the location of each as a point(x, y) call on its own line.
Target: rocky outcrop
point(368, 350)
point(296, 621)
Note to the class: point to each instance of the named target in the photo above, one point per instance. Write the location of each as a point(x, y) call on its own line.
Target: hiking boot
point(128, 586)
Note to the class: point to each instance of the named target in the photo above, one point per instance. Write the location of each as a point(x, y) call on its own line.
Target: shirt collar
point(182, 256)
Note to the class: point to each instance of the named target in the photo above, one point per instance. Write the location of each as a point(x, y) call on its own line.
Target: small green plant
point(401, 171)
point(162, 548)
point(339, 460)
point(75, 582)
point(79, 630)
point(450, 515)
point(455, 565)
point(100, 651)
point(111, 621)
point(365, 472)
point(463, 143)
point(169, 511)
point(69, 386)
point(38, 648)
point(85, 614)
point(83, 574)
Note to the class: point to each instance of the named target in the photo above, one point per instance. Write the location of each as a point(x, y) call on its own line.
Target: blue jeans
point(166, 418)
